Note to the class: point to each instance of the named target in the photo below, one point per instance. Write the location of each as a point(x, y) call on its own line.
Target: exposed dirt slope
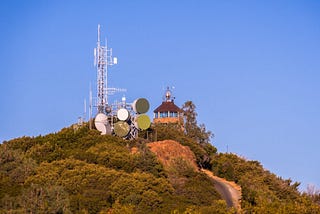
point(168, 150)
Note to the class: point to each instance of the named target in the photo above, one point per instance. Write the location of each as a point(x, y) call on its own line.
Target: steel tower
point(102, 59)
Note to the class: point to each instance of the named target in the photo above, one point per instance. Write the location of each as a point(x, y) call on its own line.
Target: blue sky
point(250, 67)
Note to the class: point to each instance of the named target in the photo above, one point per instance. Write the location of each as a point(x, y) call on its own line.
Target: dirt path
point(167, 150)
point(229, 191)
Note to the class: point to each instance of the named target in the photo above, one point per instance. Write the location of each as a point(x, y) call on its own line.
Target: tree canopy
point(192, 129)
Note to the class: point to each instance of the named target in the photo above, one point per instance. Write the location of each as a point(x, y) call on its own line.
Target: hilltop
point(81, 171)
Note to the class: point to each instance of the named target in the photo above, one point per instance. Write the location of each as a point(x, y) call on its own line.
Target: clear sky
point(252, 68)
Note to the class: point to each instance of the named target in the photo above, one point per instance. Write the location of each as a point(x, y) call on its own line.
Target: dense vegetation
point(80, 171)
point(262, 191)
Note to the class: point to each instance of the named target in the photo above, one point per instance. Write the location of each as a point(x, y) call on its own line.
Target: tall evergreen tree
point(198, 133)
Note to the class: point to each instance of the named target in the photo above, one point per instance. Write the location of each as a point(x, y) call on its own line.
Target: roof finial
point(168, 95)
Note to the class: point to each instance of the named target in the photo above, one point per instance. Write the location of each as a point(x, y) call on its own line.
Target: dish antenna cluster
point(122, 119)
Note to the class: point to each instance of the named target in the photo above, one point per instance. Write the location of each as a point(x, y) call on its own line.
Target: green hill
point(81, 171)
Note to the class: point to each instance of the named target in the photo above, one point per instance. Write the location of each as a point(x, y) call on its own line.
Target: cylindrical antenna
point(90, 107)
point(98, 41)
point(95, 56)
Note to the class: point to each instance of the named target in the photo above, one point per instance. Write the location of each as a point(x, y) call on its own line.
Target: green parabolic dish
point(141, 106)
point(143, 122)
point(121, 128)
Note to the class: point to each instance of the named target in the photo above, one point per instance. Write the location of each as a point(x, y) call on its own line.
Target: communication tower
point(102, 59)
point(120, 118)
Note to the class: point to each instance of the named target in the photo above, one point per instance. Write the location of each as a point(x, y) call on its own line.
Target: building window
point(173, 114)
point(163, 114)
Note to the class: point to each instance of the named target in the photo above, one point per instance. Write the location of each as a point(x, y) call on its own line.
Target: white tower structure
point(102, 59)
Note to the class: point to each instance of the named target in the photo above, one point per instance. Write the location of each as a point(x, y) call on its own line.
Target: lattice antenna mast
point(102, 59)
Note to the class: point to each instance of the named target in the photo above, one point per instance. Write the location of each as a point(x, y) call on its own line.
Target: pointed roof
point(167, 106)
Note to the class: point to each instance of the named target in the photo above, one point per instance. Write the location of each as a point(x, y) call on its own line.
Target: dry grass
point(134, 150)
point(168, 151)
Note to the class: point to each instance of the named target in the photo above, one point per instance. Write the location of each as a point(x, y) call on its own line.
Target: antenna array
point(102, 59)
point(121, 118)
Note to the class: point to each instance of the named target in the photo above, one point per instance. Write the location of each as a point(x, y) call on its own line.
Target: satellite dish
point(140, 106)
point(142, 122)
point(123, 114)
point(101, 122)
point(121, 128)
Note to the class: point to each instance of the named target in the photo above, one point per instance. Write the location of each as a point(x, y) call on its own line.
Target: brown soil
point(168, 150)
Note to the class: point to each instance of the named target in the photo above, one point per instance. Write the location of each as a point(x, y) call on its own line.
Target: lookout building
point(168, 112)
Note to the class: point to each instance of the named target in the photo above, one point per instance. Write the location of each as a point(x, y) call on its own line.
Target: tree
point(313, 193)
point(45, 199)
point(198, 133)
